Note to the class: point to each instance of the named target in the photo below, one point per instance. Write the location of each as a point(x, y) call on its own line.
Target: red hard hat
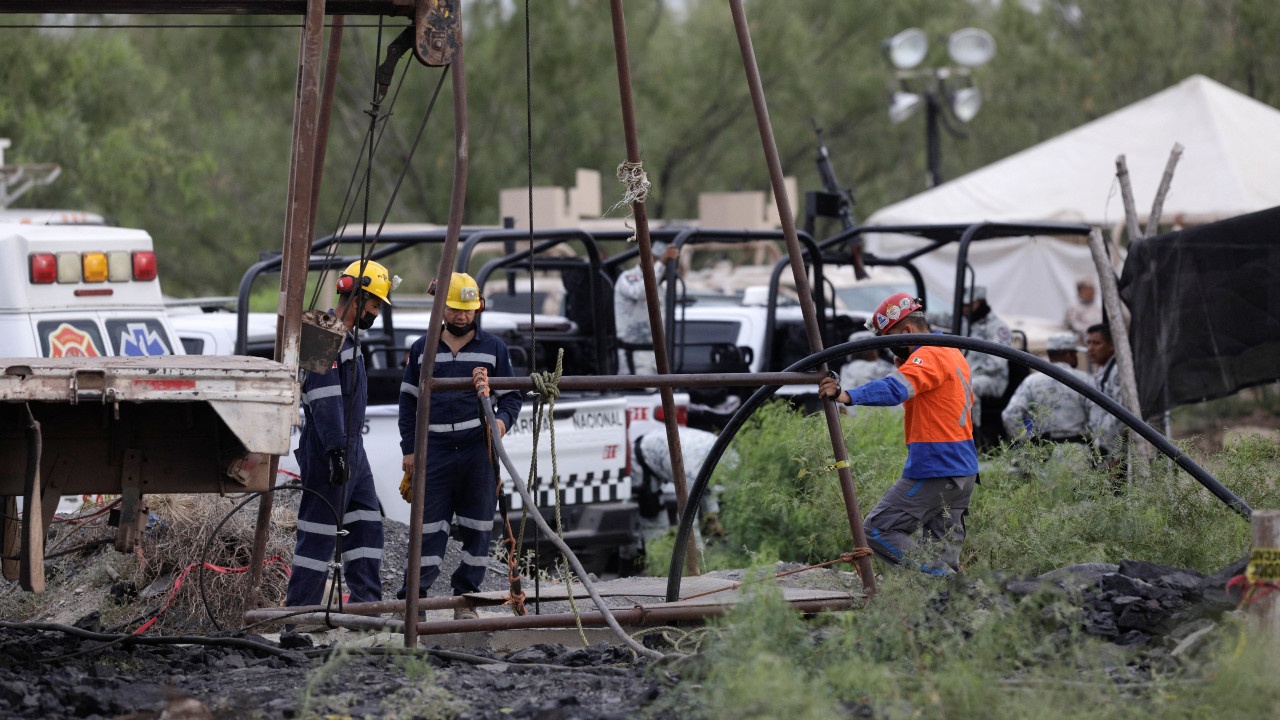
point(891, 310)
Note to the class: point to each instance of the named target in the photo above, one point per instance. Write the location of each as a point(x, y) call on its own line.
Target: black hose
point(130, 639)
point(758, 398)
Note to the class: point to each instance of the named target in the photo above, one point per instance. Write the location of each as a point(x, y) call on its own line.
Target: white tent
point(1230, 166)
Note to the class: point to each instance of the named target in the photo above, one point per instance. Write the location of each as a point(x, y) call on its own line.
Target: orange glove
point(406, 489)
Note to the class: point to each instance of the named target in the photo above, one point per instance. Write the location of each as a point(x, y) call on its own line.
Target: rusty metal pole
point(304, 180)
point(802, 282)
point(636, 382)
point(413, 573)
point(650, 278)
point(297, 241)
point(326, 112)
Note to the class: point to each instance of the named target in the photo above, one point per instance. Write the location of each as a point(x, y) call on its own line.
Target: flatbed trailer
point(132, 426)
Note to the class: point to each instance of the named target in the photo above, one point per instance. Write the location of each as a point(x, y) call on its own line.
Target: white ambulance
point(79, 291)
point(95, 388)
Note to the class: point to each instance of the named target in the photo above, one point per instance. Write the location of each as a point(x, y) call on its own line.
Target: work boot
point(464, 613)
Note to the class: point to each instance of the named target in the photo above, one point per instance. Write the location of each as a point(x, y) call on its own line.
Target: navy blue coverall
point(333, 419)
point(459, 475)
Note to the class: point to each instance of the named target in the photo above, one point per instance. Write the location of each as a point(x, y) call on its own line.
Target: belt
point(1078, 439)
point(452, 427)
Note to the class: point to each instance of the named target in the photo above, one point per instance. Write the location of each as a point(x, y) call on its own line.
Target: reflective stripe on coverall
point(326, 400)
point(459, 474)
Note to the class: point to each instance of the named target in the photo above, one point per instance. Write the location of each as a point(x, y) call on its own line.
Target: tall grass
point(1035, 509)
point(925, 648)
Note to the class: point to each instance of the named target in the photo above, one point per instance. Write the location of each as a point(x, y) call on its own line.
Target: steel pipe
point(634, 616)
point(444, 602)
point(661, 357)
point(304, 188)
point(457, 204)
point(208, 7)
point(807, 309)
point(634, 382)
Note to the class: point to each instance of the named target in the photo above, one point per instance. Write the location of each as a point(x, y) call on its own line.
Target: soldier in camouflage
point(865, 366)
point(652, 471)
point(990, 374)
point(631, 315)
point(1043, 409)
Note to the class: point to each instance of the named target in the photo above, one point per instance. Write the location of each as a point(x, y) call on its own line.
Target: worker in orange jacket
point(932, 496)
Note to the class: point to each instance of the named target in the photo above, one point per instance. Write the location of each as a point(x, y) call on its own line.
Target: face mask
point(460, 331)
point(366, 320)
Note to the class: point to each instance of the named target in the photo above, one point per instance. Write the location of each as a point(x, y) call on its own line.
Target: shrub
point(784, 501)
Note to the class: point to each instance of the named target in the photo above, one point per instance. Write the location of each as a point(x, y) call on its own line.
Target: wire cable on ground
point(572, 559)
point(112, 639)
point(204, 598)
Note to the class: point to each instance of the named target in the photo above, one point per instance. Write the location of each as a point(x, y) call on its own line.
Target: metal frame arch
point(758, 398)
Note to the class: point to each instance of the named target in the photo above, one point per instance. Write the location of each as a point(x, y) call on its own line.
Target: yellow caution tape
point(1264, 565)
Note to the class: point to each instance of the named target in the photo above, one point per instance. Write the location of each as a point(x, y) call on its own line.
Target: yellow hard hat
point(464, 293)
point(375, 279)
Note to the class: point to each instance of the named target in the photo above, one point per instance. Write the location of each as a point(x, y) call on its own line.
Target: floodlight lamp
point(971, 47)
point(966, 103)
point(902, 105)
point(907, 49)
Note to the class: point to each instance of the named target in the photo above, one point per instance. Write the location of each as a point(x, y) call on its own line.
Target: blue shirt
point(455, 414)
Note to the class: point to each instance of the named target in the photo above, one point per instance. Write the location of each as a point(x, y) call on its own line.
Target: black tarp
point(1205, 303)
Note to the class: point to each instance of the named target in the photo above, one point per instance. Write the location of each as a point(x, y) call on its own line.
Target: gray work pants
point(919, 504)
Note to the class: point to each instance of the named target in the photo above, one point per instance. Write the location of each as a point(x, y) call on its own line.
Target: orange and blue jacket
point(933, 388)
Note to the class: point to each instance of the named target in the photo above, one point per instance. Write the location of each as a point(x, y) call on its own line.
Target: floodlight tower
point(947, 92)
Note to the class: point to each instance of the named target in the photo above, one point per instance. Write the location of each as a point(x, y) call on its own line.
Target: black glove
point(338, 472)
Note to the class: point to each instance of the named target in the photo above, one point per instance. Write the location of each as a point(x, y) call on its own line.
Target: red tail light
point(144, 265)
point(682, 415)
point(44, 268)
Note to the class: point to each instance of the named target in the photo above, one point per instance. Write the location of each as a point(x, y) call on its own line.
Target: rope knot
point(546, 385)
point(632, 175)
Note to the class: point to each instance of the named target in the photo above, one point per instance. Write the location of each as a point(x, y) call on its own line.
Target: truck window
point(192, 345)
point(138, 337)
point(697, 341)
point(70, 338)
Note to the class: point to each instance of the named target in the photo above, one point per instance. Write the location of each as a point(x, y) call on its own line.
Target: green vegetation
point(1035, 509)
point(920, 652)
point(198, 153)
point(924, 648)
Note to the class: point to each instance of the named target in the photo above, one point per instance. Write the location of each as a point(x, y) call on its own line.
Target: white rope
point(631, 175)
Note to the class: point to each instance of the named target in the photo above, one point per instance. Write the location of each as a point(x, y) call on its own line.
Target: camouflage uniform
point(1044, 408)
point(861, 372)
point(652, 477)
point(631, 314)
point(1106, 429)
point(990, 373)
